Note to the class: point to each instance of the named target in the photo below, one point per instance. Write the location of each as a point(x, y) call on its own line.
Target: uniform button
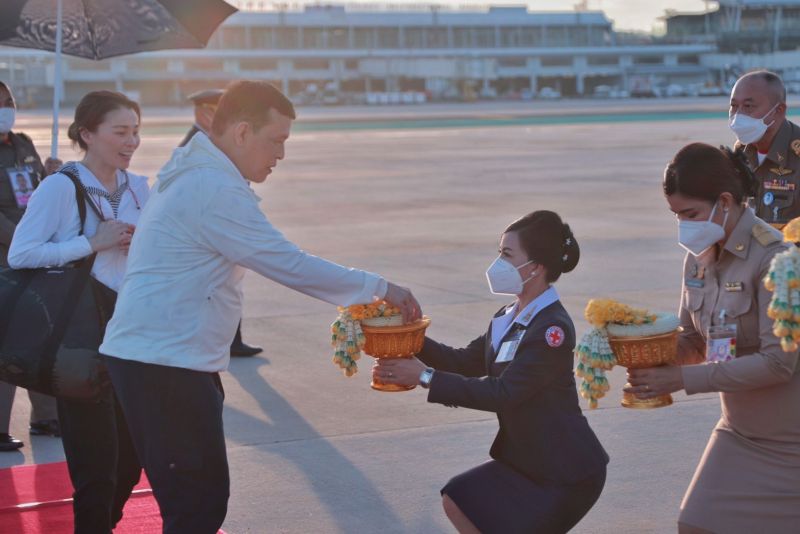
point(172, 466)
point(739, 247)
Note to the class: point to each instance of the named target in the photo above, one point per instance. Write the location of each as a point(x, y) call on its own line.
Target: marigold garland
point(594, 353)
point(783, 279)
point(347, 338)
point(791, 232)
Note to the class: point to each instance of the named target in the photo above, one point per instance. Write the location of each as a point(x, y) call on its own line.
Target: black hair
point(249, 101)
point(547, 240)
point(92, 111)
point(704, 172)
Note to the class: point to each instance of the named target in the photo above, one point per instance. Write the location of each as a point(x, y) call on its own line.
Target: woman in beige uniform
point(748, 479)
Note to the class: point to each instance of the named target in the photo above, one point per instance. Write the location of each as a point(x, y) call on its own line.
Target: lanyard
point(96, 199)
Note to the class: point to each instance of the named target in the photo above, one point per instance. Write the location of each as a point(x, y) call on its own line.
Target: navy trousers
point(102, 463)
point(175, 420)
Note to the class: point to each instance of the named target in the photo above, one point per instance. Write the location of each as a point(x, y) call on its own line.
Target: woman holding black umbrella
point(102, 462)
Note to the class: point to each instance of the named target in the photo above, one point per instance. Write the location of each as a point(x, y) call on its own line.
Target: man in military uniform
point(771, 143)
point(18, 157)
point(205, 105)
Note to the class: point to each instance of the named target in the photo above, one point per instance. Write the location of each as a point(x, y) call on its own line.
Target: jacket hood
point(199, 152)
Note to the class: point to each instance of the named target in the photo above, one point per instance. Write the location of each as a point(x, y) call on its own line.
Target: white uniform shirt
point(48, 236)
point(181, 299)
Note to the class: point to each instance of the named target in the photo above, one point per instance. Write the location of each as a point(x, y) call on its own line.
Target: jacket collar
point(778, 150)
point(738, 243)
point(501, 322)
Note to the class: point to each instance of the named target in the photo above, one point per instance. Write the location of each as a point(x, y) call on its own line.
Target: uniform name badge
point(508, 349)
point(21, 183)
point(721, 343)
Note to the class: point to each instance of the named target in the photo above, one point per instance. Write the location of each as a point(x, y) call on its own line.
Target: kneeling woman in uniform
point(748, 479)
point(548, 468)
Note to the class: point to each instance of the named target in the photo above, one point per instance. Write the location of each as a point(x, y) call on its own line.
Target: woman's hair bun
point(572, 252)
point(744, 175)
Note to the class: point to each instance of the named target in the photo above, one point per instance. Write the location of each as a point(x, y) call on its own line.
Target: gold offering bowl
point(394, 342)
point(641, 353)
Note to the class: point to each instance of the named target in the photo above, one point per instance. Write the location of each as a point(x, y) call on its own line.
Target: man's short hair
point(249, 101)
point(774, 83)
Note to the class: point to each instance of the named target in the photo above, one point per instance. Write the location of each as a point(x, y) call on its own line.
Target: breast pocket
point(741, 310)
point(693, 303)
point(776, 202)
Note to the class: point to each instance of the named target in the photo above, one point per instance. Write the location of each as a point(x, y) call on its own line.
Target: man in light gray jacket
point(180, 301)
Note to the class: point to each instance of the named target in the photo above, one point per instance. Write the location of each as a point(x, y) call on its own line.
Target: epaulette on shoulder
point(766, 234)
point(24, 137)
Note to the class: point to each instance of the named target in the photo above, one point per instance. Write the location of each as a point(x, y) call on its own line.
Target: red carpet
point(37, 499)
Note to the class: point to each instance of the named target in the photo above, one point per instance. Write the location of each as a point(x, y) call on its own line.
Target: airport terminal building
point(334, 54)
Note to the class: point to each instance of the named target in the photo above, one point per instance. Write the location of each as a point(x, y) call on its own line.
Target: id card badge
point(509, 348)
point(721, 344)
point(22, 183)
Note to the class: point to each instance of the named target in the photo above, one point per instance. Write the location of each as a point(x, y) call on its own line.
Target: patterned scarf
point(113, 198)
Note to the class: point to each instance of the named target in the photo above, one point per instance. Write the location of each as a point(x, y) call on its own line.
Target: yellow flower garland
point(783, 279)
point(347, 338)
point(594, 353)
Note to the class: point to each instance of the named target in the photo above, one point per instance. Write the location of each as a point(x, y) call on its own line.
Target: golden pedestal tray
point(394, 342)
point(641, 353)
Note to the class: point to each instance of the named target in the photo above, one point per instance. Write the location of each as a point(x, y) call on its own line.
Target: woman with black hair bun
point(749, 477)
point(547, 468)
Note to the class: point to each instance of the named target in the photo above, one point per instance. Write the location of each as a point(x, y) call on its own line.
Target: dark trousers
point(175, 420)
point(102, 463)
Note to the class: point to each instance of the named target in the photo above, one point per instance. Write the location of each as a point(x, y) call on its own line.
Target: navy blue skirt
point(498, 499)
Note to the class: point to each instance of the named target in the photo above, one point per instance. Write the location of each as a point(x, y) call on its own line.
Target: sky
point(638, 15)
point(627, 14)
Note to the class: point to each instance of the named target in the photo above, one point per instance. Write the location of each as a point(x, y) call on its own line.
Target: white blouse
point(48, 236)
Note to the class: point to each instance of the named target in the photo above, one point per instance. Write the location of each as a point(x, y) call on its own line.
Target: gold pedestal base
point(380, 386)
point(629, 400)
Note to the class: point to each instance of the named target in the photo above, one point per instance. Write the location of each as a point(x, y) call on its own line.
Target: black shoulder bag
point(52, 321)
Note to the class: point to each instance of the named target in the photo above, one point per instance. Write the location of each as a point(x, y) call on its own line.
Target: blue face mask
point(7, 118)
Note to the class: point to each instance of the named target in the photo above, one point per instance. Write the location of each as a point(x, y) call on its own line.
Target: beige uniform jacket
point(778, 200)
point(749, 477)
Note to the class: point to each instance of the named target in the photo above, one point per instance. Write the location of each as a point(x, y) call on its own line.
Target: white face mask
point(504, 278)
point(699, 236)
point(7, 118)
point(750, 129)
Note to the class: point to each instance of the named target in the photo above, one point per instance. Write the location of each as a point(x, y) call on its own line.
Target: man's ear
point(241, 132)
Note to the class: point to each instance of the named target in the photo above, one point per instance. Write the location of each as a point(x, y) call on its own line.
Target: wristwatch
point(425, 377)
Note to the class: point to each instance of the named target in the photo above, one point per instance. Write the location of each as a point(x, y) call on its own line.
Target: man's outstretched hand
point(401, 298)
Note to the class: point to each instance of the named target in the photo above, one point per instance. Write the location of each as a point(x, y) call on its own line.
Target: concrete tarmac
point(313, 451)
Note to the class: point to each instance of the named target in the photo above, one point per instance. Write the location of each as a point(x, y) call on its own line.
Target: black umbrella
point(98, 29)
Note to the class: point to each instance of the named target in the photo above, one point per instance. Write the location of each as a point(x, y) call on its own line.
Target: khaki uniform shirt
point(16, 154)
point(778, 200)
point(760, 389)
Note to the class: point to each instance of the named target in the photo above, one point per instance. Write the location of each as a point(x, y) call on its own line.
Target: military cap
point(210, 96)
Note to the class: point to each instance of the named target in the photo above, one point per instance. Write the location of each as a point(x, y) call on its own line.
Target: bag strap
point(81, 197)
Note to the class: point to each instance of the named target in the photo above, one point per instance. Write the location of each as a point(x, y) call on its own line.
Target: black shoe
point(46, 427)
point(9, 443)
point(243, 349)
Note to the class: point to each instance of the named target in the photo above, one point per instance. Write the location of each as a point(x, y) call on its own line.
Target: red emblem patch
point(554, 336)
